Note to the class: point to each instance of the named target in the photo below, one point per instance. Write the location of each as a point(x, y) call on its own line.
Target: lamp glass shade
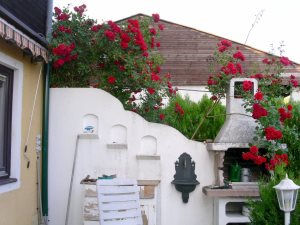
point(287, 192)
point(287, 199)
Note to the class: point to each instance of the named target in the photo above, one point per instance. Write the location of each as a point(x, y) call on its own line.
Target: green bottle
point(235, 172)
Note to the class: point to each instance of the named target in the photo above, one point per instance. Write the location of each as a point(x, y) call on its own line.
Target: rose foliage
point(120, 58)
point(266, 105)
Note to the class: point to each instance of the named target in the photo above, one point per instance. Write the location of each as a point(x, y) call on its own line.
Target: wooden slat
point(118, 189)
point(117, 198)
point(112, 215)
point(118, 182)
point(120, 205)
point(131, 221)
point(91, 223)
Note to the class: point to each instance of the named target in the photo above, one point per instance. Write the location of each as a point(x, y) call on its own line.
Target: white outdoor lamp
point(287, 192)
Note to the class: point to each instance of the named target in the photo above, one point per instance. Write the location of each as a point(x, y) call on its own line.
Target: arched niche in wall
point(148, 145)
point(118, 134)
point(90, 124)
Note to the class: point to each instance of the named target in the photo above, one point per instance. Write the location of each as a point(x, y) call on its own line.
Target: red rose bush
point(266, 105)
point(120, 58)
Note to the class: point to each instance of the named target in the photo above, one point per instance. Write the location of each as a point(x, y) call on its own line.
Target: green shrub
point(193, 113)
point(292, 139)
point(266, 211)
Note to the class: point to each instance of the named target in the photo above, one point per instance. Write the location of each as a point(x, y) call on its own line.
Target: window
point(12, 70)
point(6, 96)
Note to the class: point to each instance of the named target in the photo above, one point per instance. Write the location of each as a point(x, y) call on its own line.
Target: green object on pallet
point(235, 172)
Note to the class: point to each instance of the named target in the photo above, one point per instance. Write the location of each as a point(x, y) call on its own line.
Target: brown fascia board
point(209, 34)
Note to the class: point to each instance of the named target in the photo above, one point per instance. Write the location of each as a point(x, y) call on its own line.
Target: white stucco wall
point(68, 110)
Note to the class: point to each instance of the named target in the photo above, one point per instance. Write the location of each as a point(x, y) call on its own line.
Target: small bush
point(186, 121)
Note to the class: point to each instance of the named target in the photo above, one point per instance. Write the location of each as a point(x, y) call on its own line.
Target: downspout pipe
point(45, 141)
point(47, 71)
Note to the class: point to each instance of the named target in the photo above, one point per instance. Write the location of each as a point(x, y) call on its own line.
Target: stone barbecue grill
point(233, 138)
point(237, 131)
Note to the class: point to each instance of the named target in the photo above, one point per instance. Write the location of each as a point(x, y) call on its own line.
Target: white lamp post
point(287, 192)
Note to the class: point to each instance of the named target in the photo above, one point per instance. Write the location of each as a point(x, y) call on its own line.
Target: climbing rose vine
point(120, 58)
point(266, 106)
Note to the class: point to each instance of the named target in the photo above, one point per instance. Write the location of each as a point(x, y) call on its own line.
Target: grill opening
point(234, 155)
point(238, 89)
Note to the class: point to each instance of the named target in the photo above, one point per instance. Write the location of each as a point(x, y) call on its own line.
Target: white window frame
point(16, 125)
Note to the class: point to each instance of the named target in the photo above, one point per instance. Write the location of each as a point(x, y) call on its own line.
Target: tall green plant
point(292, 139)
point(184, 115)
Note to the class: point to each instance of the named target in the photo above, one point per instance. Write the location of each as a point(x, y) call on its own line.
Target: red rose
point(226, 43)
point(254, 149)
point(161, 26)
point(222, 48)
point(258, 96)
point(75, 56)
point(152, 42)
point(285, 114)
point(294, 83)
point(210, 82)
point(158, 44)
point(96, 28)
point(145, 54)
point(247, 85)
point(134, 23)
point(258, 111)
point(239, 55)
point(111, 79)
point(272, 134)
point(124, 45)
point(124, 37)
point(58, 63)
point(114, 26)
point(259, 76)
point(260, 160)
point(281, 110)
point(61, 28)
point(63, 17)
point(101, 65)
point(229, 69)
point(110, 35)
point(151, 90)
point(161, 116)
point(246, 155)
point(152, 31)
point(290, 107)
point(179, 109)
point(155, 77)
point(155, 17)
point(285, 61)
point(57, 10)
point(267, 61)
point(239, 68)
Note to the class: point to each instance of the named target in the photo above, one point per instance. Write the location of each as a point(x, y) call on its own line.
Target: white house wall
point(71, 109)
point(195, 93)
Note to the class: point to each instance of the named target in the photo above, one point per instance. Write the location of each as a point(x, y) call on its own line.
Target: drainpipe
point(47, 71)
point(45, 142)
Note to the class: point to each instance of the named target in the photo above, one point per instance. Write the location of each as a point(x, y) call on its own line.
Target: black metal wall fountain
point(185, 177)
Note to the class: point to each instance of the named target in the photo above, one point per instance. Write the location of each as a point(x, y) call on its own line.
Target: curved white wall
point(67, 110)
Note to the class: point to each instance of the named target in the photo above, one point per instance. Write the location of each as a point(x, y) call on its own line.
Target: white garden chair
point(118, 202)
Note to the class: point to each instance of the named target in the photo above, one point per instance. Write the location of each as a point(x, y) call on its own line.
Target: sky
point(275, 21)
